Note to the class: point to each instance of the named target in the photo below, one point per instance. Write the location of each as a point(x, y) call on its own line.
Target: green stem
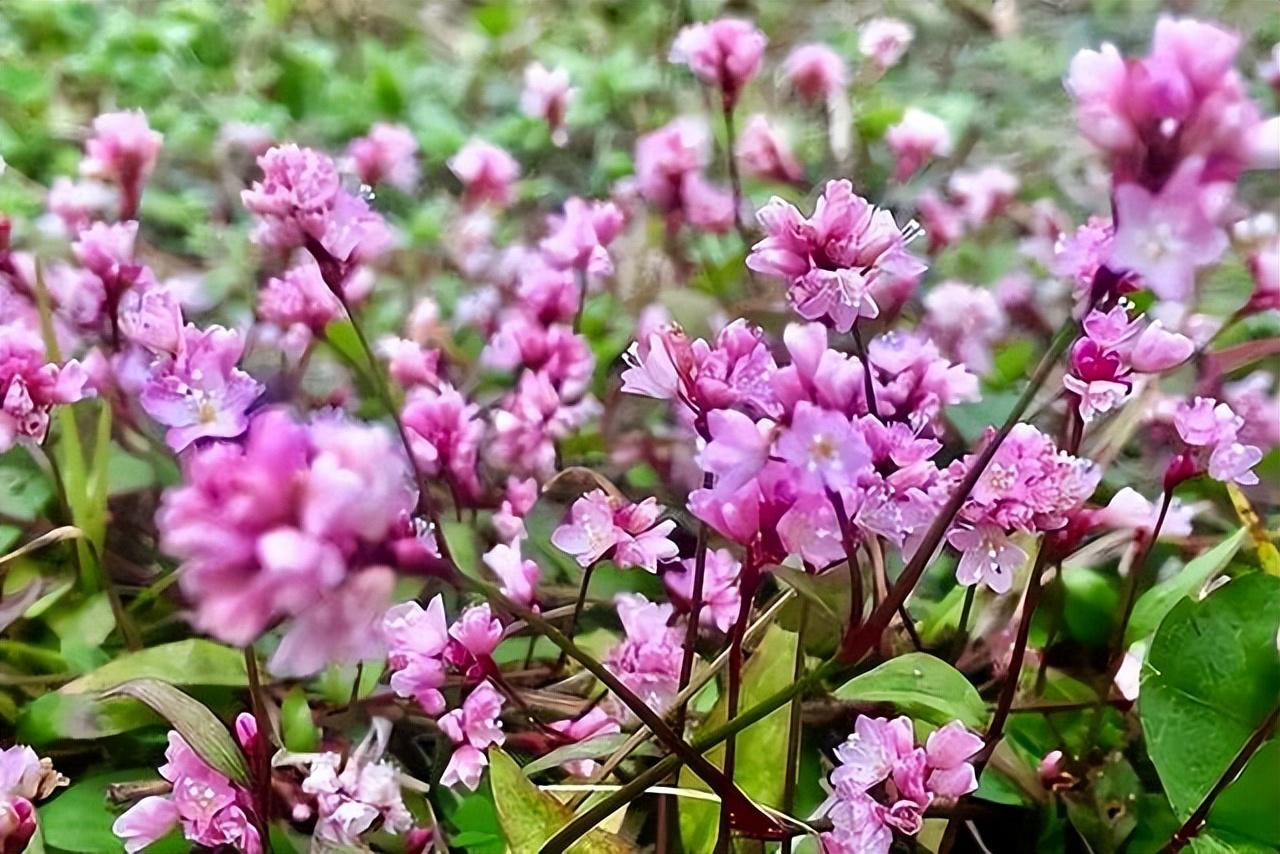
point(794, 731)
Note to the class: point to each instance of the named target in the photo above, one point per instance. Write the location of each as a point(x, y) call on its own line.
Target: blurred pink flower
point(764, 153)
point(386, 155)
point(122, 150)
point(547, 96)
point(965, 321)
point(445, 432)
point(648, 659)
point(77, 204)
point(816, 72)
point(487, 173)
point(917, 138)
point(983, 193)
point(884, 40)
point(724, 53)
point(30, 386)
point(721, 599)
point(580, 238)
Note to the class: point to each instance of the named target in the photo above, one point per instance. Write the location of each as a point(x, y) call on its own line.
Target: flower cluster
point(210, 809)
point(724, 53)
point(670, 174)
point(357, 792)
point(884, 782)
point(1030, 487)
point(24, 779)
point(832, 260)
point(30, 385)
point(295, 522)
point(647, 660)
point(629, 534)
point(1212, 434)
point(386, 155)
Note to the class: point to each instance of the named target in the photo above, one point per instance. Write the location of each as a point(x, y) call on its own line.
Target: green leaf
point(201, 729)
point(1212, 675)
point(189, 662)
point(760, 753)
point(529, 817)
point(829, 598)
point(592, 748)
point(921, 685)
point(1237, 809)
point(301, 735)
point(1153, 605)
point(57, 717)
point(79, 819)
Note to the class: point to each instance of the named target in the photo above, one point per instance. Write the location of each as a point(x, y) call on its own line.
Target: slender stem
point(261, 756)
point(1192, 825)
point(856, 604)
point(695, 609)
point(735, 181)
point(747, 587)
point(1010, 689)
point(868, 386)
point(577, 611)
point(581, 279)
point(858, 643)
point(967, 609)
point(794, 730)
point(1056, 617)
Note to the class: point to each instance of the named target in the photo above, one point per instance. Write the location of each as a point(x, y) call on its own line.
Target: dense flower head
point(647, 660)
point(357, 793)
point(210, 809)
point(600, 525)
point(883, 41)
point(269, 528)
point(831, 259)
point(1029, 486)
point(445, 432)
point(669, 174)
point(528, 421)
point(981, 194)
point(733, 370)
point(554, 351)
point(30, 385)
point(965, 321)
point(1184, 99)
point(725, 53)
point(721, 593)
point(884, 781)
point(1113, 348)
point(580, 238)
point(300, 201)
point(487, 172)
point(1212, 431)
point(816, 72)
point(387, 154)
point(918, 137)
point(765, 153)
point(122, 150)
point(299, 297)
point(547, 96)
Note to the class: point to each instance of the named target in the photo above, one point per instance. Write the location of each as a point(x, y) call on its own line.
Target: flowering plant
point(560, 459)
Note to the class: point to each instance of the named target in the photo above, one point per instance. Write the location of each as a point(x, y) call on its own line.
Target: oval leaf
point(1212, 675)
point(1153, 605)
point(529, 817)
point(201, 728)
point(922, 685)
point(188, 662)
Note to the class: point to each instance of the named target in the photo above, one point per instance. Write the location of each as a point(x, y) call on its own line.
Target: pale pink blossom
point(765, 153)
point(357, 793)
point(30, 385)
point(816, 72)
point(77, 204)
point(918, 137)
point(1129, 510)
point(580, 238)
point(721, 598)
point(122, 150)
point(473, 728)
point(983, 193)
point(487, 172)
point(824, 449)
point(547, 96)
point(387, 154)
point(445, 432)
point(965, 321)
point(883, 41)
point(416, 639)
point(593, 724)
point(648, 659)
point(519, 576)
point(724, 53)
point(599, 525)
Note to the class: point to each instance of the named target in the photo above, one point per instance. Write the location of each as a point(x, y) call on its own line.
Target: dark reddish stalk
point(1192, 825)
point(695, 608)
point(261, 757)
point(868, 386)
point(856, 603)
point(794, 730)
point(857, 644)
point(748, 581)
point(577, 611)
point(1030, 599)
point(731, 160)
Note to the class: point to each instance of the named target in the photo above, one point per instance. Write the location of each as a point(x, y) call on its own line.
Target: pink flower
point(831, 259)
point(77, 204)
point(825, 451)
point(547, 96)
point(765, 154)
point(386, 155)
point(528, 421)
point(943, 222)
point(884, 41)
point(197, 391)
point(445, 432)
point(520, 497)
point(725, 53)
point(580, 238)
point(30, 386)
point(816, 72)
point(983, 193)
point(665, 156)
point(1264, 267)
point(356, 793)
point(598, 524)
point(1254, 400)
point(555, 351)
point(1129, 510)
point(487, 173)
point(707, 206)
point(738, 447)
point(268, 528)
point(1165, 236)
point(965, 321)
point(210, 809)
point(1205, 422)
point(23, 774)
point(300, 202)
point(341, 627)
point(410, 364)
point(416, 640)
point(918, 137)
point(593, 724)
point(474, 728)
point(122, 150)
point(648, 659)
point(474, 636)
point(947, 753)
point(299, 297)
point(518, 575)
point(721, 599)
